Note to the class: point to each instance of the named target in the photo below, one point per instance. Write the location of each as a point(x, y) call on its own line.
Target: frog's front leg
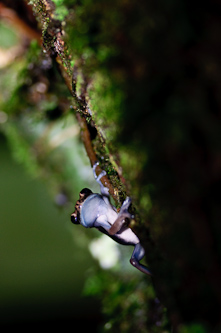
point(137, 255)
point(104, 189)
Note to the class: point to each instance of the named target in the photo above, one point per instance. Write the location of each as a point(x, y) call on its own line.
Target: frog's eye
point(75, 219)
point(85, 193)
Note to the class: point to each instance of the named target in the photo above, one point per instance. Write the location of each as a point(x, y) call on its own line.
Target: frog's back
point(91, 209)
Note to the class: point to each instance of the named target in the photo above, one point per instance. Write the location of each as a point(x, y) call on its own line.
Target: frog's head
point(83, 195)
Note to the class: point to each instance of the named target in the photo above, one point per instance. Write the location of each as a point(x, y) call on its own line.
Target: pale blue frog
point(94, 210)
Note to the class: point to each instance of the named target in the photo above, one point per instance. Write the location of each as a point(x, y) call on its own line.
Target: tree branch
point(54, 45)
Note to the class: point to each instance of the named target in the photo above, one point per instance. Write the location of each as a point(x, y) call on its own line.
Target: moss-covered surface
point(145, 77)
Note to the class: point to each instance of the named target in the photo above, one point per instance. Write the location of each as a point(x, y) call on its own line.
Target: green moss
point(61, 10)
point(126, 300)
point(106, 101)
point(192, 328)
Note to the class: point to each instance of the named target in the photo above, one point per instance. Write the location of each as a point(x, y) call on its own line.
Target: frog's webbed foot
point(122, 216)
point(104, 189)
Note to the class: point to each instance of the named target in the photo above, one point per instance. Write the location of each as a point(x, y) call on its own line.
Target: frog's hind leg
point(137, 255)
point(122, 216)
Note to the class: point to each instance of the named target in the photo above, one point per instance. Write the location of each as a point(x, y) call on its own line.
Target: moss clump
point(61, 10)
point(106, 103)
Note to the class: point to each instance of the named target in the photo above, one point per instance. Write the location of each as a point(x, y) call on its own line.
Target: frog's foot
point(137, 255)
point(122, 218)
point(124, 208)
point(103, 173)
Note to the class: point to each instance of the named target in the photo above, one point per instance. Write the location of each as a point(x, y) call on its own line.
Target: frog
point(95, 210)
